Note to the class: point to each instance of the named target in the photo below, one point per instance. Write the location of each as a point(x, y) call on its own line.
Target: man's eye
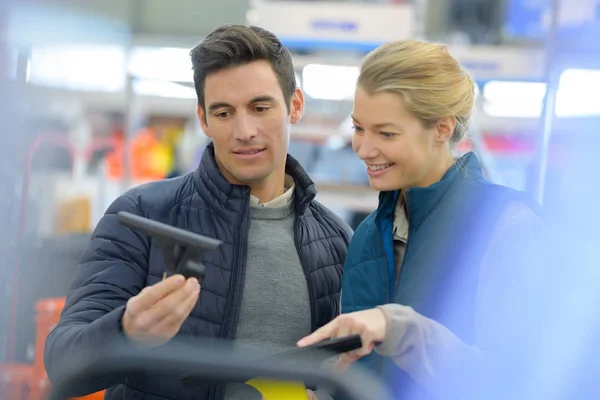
point(223, 114)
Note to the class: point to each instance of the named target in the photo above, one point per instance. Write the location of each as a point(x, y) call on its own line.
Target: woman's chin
point(382, 186)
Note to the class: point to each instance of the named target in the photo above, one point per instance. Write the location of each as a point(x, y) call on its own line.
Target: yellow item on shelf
point(279, 390)
point(74, 215)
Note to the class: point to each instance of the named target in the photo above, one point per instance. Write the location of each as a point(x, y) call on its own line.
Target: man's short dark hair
point(237, 45)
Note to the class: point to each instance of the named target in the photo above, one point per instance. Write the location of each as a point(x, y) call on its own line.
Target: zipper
point(214, 392)
point(387, 274)
point(380, 366)
point(392, 299)
point(236, 243)
point(307, 277)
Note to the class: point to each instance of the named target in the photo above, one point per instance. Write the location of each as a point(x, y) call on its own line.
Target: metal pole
point(552, 76)
point(130, 124)
point(23, 56)
point(131, 111)
point(13, 133)
point(7, 183)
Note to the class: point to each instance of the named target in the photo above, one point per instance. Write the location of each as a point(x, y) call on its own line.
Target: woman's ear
point(444, 129)
point(297, 106)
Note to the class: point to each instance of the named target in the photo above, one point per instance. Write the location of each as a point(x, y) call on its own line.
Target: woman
point(436, 280)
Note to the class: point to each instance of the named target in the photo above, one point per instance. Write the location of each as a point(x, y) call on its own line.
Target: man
point(276, 277)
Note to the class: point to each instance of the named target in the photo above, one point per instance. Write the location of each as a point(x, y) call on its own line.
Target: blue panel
point(295, 43)
point(525, 20)
point(323, 24)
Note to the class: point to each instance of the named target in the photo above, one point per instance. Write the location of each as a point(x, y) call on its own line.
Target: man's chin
point(249, 178)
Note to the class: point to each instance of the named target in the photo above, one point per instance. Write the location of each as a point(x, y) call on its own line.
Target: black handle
point(181, 249)
point(213, 362)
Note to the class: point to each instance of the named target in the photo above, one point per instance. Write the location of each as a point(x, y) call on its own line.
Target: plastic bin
point(14, 381)
point(48, 314)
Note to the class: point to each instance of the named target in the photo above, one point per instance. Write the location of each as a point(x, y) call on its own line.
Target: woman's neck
point(437, 171)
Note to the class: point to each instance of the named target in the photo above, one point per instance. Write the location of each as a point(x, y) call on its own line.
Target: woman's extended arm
point(505, 318)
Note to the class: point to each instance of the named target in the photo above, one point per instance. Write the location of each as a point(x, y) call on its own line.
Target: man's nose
point(245, 129)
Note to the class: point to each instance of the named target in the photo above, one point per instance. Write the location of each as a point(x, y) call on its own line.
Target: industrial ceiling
point(120, 20)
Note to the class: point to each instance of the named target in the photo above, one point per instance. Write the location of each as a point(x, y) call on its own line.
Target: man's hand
point(154, 316)
point(369, 324)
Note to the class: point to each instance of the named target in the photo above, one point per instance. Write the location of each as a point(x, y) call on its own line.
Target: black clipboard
point(316, 353)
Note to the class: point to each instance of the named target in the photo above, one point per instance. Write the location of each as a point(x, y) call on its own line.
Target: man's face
point(248, 120)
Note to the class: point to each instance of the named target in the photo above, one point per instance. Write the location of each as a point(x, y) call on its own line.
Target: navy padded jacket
point(119, 263)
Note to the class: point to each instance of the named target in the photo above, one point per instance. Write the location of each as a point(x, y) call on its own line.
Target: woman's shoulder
point(514, 203)
point(521, 219)
point(518, 212)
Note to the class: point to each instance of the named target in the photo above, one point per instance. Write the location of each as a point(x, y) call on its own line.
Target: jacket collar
point(422, 201)
point(209, 179)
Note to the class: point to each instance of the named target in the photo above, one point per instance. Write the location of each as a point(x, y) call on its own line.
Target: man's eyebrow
point(262, 99)
point(217, 105)
point(258, 99)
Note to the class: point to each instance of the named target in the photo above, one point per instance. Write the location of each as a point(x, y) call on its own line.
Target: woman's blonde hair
point(431, 81)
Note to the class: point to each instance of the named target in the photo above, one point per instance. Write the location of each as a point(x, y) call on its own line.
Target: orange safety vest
point(148, 158)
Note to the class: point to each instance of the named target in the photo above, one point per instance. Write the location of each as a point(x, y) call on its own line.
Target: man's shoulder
point(325, 215)
point(153, 199)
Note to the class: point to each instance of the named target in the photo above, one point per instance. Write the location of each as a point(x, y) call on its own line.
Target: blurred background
point(97, 96)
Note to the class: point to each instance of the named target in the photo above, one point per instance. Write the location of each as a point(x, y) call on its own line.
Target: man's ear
point(297, 106)
point(202, 118)
point(444, 129)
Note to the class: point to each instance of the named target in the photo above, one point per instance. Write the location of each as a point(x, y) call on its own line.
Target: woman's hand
point(369, 324)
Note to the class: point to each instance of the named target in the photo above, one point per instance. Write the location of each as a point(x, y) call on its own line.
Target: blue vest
point(449, 227)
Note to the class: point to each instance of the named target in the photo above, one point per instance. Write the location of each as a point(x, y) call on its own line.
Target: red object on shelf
point(29, 381)
point(47, 316)
point(55, 139)
point(14, 381)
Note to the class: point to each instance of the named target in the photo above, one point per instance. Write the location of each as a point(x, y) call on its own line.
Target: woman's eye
point(357, 129)
point(388, 134)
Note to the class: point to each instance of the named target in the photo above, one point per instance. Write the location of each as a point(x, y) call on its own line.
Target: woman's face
point(398, 150)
